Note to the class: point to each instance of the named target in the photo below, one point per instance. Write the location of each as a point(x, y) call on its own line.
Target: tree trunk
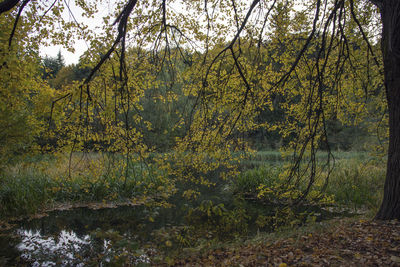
point(390, 11)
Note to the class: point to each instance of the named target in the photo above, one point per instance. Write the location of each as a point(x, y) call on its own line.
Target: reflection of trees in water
point(67, 249)
point(42, 250)
point(80, 236)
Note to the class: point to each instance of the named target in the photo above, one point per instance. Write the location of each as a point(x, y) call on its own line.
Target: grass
point(248, 181)
point(25, 188)
point(356, 181)
point(228, 212)
point(29, 187)
point(260, 158)
point(24, 193)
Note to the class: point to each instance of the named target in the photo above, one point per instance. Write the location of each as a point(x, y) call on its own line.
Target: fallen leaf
point(395, 259)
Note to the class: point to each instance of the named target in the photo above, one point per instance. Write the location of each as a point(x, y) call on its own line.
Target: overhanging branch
point(7, 5)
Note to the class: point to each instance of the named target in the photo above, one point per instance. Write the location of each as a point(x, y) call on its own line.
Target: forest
point(200, 133)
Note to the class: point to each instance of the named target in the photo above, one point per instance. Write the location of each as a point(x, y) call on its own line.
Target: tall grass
point(260, 158)
point(248, 181)
point(25, 192)
point(356, 181)
point(26, 188)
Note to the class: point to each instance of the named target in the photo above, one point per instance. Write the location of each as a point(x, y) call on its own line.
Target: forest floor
point(341, 243)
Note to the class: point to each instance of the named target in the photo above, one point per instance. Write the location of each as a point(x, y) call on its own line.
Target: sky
point(69, 58)
point(106, 8)
point(80, 46)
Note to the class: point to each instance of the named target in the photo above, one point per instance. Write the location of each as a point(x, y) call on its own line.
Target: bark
point(390, 12)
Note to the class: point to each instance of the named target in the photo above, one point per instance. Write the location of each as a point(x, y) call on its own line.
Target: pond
point(119, 236)
point(84, 236)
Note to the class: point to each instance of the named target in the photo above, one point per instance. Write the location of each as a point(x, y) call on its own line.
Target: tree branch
point(122, 20)
point(353, 14)
point(16, 22)
point(249, 12)
point(7, 5)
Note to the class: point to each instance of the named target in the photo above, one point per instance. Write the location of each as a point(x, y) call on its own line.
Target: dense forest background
point(342, 136)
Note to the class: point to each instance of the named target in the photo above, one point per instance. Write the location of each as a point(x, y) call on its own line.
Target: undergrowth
point(238, 208)
point(28, 187)
point(355, 183)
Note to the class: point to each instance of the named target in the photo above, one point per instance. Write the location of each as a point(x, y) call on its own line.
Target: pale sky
point(70, 58)
point(80, 46)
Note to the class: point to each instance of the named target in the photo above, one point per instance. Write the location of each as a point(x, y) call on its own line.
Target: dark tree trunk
point(390, 11)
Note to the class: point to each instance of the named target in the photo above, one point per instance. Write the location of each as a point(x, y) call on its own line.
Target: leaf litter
point(346, 243)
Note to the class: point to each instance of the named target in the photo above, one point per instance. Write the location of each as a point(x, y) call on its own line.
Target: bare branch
point(16, 22)
point(53, 103)
point(122, 20)
point(264, 23)
point(353, 14)
point(249, 12)
point(305, 46)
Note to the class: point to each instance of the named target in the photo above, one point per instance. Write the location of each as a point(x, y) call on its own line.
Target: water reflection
point(83, 237)
point(40, 250)
point(109, 236)
point(66, 249)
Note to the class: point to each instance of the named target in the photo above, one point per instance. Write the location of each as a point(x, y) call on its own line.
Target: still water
point(122, 236)
point(83, 236)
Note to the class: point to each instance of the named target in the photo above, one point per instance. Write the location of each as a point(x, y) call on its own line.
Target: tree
point(223, 70)
point(24, 97)
point(51, 66)
point(390, 17)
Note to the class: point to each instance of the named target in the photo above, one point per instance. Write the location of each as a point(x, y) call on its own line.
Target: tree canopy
point(218, 71)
